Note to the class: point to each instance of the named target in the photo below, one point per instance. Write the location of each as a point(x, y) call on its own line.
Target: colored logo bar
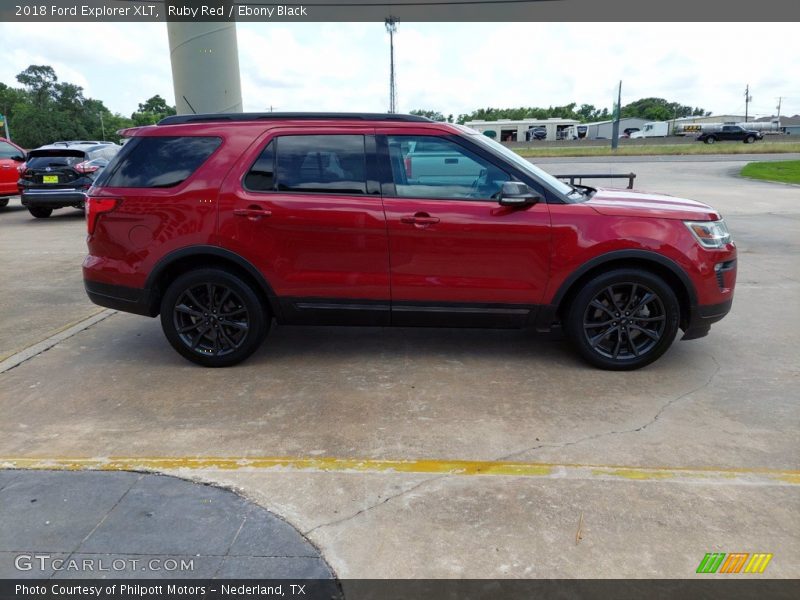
point(736, 562)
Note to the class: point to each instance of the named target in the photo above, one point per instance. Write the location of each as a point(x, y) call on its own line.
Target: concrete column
point(205, 67)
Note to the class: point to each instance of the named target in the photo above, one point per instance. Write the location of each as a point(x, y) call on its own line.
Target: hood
point(625, 203)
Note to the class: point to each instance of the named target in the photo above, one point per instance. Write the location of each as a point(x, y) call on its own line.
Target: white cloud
point(451, 67)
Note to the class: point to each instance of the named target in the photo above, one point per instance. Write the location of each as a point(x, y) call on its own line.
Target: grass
point(785, 171)
point(655, 150)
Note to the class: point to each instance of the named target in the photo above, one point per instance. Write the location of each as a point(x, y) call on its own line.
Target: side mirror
point(516, 193)
point(18, 158)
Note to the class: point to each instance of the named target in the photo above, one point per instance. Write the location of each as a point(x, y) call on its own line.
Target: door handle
point(419, 219)
point(252, 212)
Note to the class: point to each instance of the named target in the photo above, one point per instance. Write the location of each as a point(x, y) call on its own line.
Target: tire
point(749, 139)
point(710, 139)
point(3, 202)
point(196, 328)
point(617, 343)
point(39, 212)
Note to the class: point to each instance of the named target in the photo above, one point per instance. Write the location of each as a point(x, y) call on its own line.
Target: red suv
point(221, 223)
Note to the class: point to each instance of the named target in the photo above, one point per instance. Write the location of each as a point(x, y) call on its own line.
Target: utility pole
point(391, 27)
point(747, 100)
point(102, 127)
point(615, 127)
point(779, 111)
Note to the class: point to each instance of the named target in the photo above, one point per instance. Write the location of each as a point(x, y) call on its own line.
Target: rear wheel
point(213, 318)
point(39, 212)
point(710, 139)
point(3, 202)
point(623, 320)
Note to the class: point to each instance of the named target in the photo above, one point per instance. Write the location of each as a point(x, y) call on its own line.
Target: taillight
point(407, 162)
point(96, 207)
point(85, 167)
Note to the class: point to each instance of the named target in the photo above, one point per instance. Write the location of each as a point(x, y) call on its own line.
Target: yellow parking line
point(421, 466)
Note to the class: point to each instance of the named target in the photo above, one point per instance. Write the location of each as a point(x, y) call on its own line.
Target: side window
point(8, 151)
point(261, 176)
point(434, 167)
point(159, 161)
point(321, 164)
point(331, 164)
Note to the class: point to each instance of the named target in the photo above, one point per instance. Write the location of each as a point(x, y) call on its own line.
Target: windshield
point(521, 163)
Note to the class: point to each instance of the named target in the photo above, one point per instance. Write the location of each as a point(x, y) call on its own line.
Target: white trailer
point(652, 129)
point(697, 128)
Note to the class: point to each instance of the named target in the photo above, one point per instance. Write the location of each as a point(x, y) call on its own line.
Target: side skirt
point(327, 311)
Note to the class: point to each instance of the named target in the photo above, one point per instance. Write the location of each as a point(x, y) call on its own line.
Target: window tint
point(8, 151)
point(147, 162)
point(261, 176)
point(41, 159)
point(333, 164)
point(429, 167)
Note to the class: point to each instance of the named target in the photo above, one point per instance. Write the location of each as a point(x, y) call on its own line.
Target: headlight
point(710, 234)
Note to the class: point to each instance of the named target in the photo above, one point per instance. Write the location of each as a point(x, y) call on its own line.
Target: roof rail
point(211, 117)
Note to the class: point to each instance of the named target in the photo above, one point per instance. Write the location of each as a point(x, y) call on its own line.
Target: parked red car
point(221, 223)
point(11, 157)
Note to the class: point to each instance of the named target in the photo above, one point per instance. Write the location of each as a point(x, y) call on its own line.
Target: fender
point(547, 314)
point(215, 251)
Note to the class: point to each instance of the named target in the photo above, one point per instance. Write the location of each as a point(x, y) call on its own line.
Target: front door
point(457, 256)
point(302, 208)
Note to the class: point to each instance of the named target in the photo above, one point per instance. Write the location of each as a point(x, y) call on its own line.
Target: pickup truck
point(730, 132)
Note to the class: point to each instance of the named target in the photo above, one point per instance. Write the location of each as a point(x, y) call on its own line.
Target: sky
point(450, 67)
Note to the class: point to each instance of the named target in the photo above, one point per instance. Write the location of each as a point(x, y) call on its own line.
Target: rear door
point(457, 255)
point(8, 168)
point(304, 208)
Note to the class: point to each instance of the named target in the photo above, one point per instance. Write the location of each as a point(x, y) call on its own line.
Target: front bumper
point(703, 317)
point(53, 198)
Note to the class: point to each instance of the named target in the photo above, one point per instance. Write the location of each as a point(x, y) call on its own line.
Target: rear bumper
point(703, 317)
point(133, 300)
point(53, 198)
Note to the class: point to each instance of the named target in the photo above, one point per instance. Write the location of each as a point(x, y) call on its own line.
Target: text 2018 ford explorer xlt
point(221, 223)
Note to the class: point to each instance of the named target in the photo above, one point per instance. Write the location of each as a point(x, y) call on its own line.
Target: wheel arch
point(667, 269)
point(181, 261)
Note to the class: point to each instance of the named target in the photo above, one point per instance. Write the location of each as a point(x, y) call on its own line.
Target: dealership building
point(508, 130)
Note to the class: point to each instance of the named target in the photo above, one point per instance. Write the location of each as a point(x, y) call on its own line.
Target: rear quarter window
point(158, 162)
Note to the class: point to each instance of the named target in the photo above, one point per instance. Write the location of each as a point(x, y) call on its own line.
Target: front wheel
point(213, 318)
point(39, 212)
point(749, 139)
point(3, 202)
point(623, 320)
point(710, 139)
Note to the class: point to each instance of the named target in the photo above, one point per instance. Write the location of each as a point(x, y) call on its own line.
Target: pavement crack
point(373, 506)
point(97, 526)
point(664, 407)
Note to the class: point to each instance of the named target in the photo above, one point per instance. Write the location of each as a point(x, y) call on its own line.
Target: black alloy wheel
point(623, 319)
point(213, 318)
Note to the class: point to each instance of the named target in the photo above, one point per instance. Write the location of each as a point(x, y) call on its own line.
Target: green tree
point(433, 115)
point(45, 110)
point(152, 111)
point(39, 81)
point(659, 109)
